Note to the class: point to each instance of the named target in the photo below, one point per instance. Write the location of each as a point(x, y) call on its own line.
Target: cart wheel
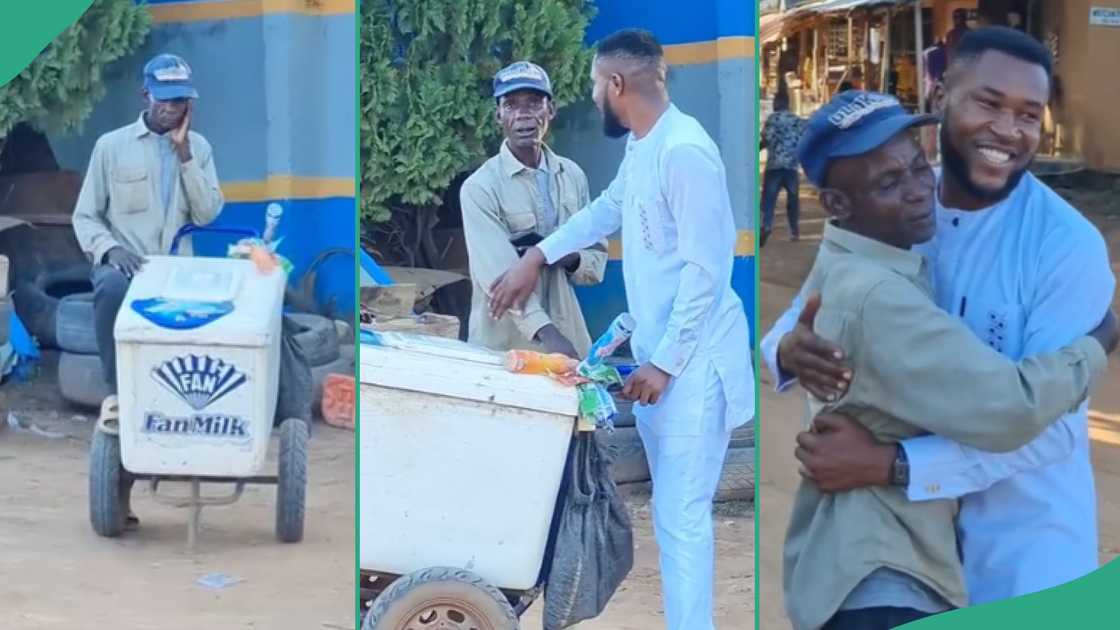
point(291, 488)
point(441, 597)
point(106, 478)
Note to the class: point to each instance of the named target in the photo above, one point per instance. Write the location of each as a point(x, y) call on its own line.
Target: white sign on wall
point(1104, 16)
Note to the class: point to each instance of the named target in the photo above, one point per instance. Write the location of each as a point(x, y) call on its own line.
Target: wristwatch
point(900, 470)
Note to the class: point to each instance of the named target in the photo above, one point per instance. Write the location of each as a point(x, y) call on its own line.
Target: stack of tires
point(630, 466)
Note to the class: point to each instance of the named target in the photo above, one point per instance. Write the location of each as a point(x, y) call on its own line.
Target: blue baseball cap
point(852, 123)
point(522, 75)
point(168, 77)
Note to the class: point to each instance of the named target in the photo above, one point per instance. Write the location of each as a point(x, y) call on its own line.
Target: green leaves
point(61, 86)
point(425, 104)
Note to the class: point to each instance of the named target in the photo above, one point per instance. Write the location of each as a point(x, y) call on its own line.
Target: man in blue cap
point(512, 201)
point(869, 558)
point(145, 181)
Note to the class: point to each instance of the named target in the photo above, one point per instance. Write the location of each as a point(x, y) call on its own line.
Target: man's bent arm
point(90, 226)
point(769, 346)
point(200, 181)
point(596, 222)
point(1074, 293)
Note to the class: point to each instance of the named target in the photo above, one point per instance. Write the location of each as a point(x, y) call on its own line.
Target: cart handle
point(191, 228)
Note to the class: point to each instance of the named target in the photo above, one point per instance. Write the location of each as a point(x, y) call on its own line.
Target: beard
point(612, 126)
point(955, 164)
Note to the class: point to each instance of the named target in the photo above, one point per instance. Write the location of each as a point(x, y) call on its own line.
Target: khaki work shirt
point(916, 369)
point(121, 202)
point(499, 203)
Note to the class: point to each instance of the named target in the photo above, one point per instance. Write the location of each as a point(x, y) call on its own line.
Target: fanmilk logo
point(199, 381)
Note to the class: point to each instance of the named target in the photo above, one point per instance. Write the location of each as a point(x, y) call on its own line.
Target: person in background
point(519, 196)
point(780, 134)
point(145, 181)
point(695, 384)
point(953, 37)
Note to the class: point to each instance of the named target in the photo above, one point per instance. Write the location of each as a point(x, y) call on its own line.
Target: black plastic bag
point(594, 546)
point(293, 400)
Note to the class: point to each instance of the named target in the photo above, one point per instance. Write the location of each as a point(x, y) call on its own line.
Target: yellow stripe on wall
point(230, 9)
point(711, 51)
point(744, 246)
point(288, 187)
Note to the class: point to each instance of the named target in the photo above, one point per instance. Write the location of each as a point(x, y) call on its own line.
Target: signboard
point(1104, 16)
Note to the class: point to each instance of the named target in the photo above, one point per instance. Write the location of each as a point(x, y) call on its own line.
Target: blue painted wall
point(276, 98)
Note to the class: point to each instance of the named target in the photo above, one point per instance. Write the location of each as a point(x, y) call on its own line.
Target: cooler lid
point(202, 301)
point(448, 367)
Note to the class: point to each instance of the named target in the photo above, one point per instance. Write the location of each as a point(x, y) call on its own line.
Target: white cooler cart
point(197, 405)
point(461, 467)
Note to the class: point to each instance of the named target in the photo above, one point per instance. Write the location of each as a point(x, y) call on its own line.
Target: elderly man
point(145, 181)
point(515, 199)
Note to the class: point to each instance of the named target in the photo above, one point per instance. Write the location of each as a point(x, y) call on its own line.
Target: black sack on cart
point(594, 545)
point(293, 398)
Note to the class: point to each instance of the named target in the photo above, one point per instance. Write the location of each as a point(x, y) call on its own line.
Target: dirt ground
point(56, 573)
point(637, 603)
point(783, 267)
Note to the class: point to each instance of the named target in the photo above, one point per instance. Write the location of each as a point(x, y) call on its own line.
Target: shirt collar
point(512, 166)
point(140, 128)
point(906, 262)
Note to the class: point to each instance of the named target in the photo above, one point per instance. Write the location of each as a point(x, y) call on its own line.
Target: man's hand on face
point(646, 385)
point(125, 261)
point(512, 289)
point(555, 342)
point(1107, 332)
point(838, 454)
point(181, 137)
point(818, 364)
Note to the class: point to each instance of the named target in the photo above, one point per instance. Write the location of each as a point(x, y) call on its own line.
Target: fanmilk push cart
point(461, 467)
point(198, 360)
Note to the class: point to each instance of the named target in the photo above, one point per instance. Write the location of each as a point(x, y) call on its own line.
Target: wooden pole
point(885, 52)
point(919, 60)
point(817, 62)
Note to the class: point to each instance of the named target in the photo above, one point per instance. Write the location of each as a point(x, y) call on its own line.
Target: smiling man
point(1028, 274)
point(513, 201)
point(869, 559)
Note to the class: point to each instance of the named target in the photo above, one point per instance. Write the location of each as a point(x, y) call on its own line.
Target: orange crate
point(339, 398)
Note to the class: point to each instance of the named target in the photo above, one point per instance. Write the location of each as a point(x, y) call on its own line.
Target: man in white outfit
point(695, 383)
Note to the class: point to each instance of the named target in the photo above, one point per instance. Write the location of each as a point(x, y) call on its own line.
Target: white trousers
point(685, 472)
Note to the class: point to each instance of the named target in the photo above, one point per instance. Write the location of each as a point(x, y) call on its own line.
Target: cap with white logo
point(522, 75)
point(168, 77)
point(852, 123)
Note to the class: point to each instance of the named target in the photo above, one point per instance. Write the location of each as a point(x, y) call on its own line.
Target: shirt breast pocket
point(130, 192)
point(521, 223)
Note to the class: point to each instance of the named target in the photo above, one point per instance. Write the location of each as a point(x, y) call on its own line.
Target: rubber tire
point(106, 513)
point(80, 381)
point(36, 301)
point(318, 340)
point(291, 487)
point(5, 320)
point(73, 324)
point(409, 592)
point(737, 481)
point(628, 455)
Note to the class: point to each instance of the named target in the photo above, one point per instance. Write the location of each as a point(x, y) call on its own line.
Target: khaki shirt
point(121, 203)
point(916, 369)
point(498, 202)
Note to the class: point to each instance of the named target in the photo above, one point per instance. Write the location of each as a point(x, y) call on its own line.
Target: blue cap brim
point(167, 92)
point(869, 138)
point(520, 85)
